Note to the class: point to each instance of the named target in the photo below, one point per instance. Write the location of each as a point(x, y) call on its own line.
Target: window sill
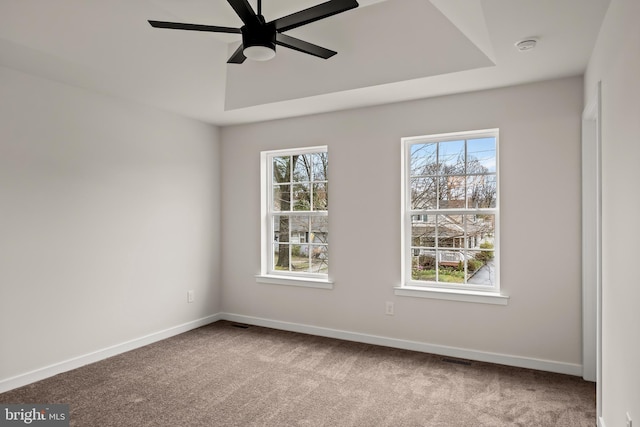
point(305, 282)
point(452, 295)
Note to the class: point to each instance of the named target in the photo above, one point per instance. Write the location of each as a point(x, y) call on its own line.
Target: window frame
point(268, 274)
point(441, 290)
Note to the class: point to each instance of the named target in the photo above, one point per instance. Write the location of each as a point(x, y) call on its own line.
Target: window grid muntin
point(313, 242)
point(438, 247)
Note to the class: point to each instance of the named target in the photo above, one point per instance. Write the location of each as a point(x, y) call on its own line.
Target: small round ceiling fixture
point(259, 53)
point(527, 44)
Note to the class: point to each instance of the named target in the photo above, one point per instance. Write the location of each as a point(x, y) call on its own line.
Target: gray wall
point(540, 210)
point(109, 213)
point(616, 63)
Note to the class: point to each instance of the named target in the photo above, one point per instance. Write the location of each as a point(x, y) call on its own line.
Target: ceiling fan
point(259, 38)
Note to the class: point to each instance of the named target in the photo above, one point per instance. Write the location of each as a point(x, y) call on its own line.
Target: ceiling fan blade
point(303, 46)
point(245, 12)
point(315, 13)
point(194, 27)
point(237, 57)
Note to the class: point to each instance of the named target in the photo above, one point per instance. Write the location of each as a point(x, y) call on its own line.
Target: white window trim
point(320, 281)
point(464, 295)
point(307, 282)
point(419, 289)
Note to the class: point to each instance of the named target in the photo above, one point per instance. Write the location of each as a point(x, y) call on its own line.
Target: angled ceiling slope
point(381, 44)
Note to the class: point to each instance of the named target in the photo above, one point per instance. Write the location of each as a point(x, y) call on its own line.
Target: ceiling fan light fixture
point(259, 42)
point(259, 53)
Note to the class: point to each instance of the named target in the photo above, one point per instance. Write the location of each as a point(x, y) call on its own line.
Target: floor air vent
point(457, 361)
point(241, 326)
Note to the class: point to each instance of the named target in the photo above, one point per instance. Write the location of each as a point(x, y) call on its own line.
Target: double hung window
point(450, 211)
point(296, 214)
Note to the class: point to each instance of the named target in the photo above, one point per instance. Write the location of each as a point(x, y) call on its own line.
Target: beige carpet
point(225, 375)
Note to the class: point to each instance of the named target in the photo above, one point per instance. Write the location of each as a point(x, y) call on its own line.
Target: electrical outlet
point(190, 296)
point(388, 310)
point(629, 422)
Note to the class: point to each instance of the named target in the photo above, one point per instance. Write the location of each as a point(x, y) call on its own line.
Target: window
point(450, 212)
point(295, 232)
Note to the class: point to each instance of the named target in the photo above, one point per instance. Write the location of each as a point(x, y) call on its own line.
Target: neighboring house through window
point(295, 232)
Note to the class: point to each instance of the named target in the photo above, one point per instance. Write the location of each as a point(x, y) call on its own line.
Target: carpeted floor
point(226, 375)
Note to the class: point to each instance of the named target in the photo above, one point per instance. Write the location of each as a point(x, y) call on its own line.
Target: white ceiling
point(388, 51)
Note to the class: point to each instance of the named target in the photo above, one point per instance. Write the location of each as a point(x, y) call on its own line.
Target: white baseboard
point(76, 362)
point(601, 422)
point(501, 359)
